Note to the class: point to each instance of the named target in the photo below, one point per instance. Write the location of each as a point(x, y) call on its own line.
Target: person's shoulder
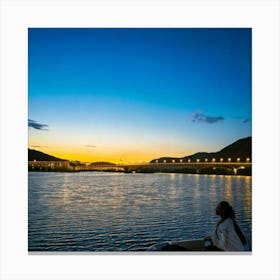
point(227, 222)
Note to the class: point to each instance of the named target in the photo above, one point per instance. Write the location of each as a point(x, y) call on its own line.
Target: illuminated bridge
point(182, 167)
point(196, 167)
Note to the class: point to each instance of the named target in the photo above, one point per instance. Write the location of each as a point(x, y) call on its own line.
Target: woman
point(227, 235)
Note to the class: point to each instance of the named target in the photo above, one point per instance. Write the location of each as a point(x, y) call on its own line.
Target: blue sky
point(137, 94)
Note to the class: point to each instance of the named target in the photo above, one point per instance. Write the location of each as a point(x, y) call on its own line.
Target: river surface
point(103, 211)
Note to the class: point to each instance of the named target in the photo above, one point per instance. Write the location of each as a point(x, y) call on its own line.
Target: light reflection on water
point(96, 211)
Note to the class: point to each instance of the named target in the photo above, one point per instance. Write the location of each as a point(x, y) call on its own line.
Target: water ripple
point(126, 212)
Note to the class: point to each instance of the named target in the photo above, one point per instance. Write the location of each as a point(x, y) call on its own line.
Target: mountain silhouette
point(39, 156)
point(241, 149)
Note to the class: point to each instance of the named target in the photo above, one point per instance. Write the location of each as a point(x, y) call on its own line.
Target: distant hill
point(100, 163)
point(39, 156)
point(242, 149)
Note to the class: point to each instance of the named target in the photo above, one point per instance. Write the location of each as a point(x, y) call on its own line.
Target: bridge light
point(229, 159)
point(173, 160)
point(181, 160)
point(247, 159)
point(189, 160)
point(197, 160)
point(213, 159)
point(221, 160)
point(157, 161)
point(164, 161)
point(206, 159)
point(238, 159)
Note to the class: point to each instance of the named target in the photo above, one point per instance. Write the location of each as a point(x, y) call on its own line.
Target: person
point(227, 235)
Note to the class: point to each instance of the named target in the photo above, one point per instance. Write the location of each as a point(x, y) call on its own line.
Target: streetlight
point(221, 160)
point(238, 159)
point(247, 159)
point(229, 159)
point(213, 159)
point(206, 159)
point(189, 160)
point(197, 160)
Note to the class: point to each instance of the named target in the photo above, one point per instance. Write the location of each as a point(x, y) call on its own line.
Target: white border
point(17, 16)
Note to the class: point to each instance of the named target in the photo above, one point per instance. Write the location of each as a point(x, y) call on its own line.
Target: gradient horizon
point(135, 94)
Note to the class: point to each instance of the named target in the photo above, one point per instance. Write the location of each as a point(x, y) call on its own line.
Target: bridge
point(197, 167)
point(182, 167)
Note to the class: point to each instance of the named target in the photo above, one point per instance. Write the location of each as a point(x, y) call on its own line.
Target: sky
point(136, 94)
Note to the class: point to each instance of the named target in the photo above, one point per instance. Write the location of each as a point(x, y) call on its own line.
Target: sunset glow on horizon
point(134, 94)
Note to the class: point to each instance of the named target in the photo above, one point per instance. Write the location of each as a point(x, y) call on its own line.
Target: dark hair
point(227, 210)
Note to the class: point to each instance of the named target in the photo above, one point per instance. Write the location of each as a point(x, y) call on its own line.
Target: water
point(101, 211)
